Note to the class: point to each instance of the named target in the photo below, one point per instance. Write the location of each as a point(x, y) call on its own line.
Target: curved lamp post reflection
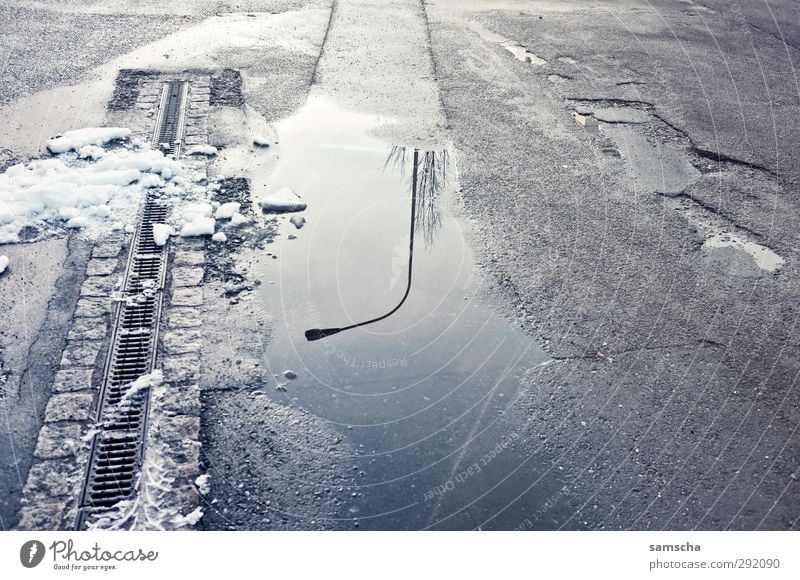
point(429, 177)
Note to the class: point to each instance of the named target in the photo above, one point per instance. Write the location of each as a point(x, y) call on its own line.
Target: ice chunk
point(161, 233)
point(151, 180)
point(227, 210)
point(74, 140)
point(199, 226)
point(219, 237)
point(3, 263)
point(260, 141)
point(238, 219)
point(207, 150)
point(283, 200)
point(298, 221)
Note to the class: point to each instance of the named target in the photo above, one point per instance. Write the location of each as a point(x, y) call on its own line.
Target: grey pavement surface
point(670, 400)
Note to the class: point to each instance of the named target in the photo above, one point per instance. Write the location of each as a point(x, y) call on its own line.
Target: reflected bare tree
point(432, 173)
point(428, 178)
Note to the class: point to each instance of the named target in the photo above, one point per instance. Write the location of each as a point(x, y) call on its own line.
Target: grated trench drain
point(117, 447)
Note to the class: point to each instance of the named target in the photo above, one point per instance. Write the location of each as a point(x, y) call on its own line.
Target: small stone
point(292, 237)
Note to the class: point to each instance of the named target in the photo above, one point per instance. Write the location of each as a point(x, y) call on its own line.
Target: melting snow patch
point(283, 200)
point(98, 193)
point(74, 140)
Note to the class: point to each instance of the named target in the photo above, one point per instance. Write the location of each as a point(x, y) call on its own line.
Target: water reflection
point(428, 179)
point(432, 172)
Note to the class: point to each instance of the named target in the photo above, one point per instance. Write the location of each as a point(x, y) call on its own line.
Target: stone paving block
point(69, 407)
point(175, 430)
point(183, 368)
point(182, 340)
point(179, 399)
point(88, 329)
point(52, 479)
point(187, 297)
point(81, 353)
point(101, 266)
point(70, 380)
point(59, 440)
point(189, 258)
point(107, 250)
point(42, 517)
point(184, 317)
point(185, 277)
point(98, 286)
point(93, 307)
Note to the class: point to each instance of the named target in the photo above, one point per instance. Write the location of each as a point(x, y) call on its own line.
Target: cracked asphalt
point(670, 401)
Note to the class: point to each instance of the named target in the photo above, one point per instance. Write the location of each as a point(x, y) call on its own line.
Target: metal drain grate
point(117, 448)
point(171, 117)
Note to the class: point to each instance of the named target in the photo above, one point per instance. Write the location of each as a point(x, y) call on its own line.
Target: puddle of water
point(521, 53)
point(764, 258)
point(421, 393)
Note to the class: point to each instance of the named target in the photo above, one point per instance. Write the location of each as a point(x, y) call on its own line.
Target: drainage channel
point(117, 448)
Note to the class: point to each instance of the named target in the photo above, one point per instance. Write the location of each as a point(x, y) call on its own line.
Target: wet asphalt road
point(670, 400)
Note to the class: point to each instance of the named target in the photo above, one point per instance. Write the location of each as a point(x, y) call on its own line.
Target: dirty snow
point(283, 200)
